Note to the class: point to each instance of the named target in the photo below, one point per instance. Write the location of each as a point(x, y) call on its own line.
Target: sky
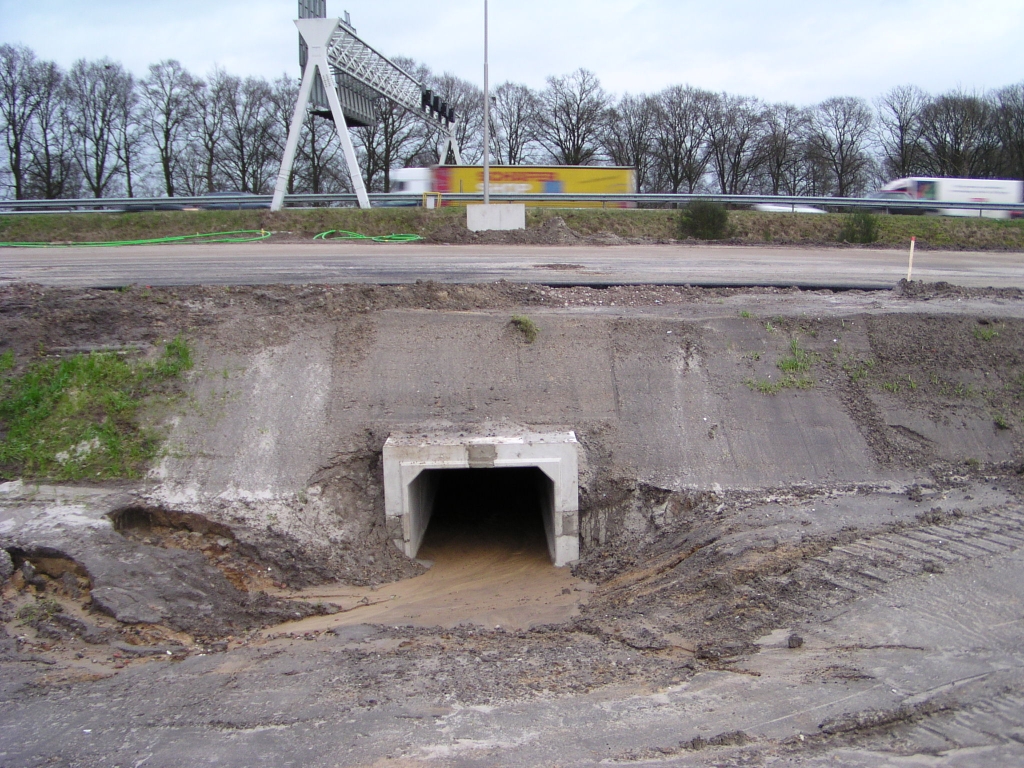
point(800, 51)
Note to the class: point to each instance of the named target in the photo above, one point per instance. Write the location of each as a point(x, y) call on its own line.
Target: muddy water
point(485, 575)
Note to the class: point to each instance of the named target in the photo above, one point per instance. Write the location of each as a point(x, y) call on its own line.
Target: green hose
point(210, 237)
point(341, 234)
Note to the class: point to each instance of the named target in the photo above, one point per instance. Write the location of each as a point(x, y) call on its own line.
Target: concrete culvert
point(487, 508)
point(425, 472)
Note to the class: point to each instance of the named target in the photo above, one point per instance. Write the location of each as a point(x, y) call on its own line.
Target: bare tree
point(1009, 122)
point(129, 134)
point(734, 125)
point(201, 173)
point(840, 129)
point(51, 166)
point(283, 94)
point(19, 100)
point(898, 130)
point(249, 142)
point(392, 142)
point(168, 97)
point(783, 149)
point(318, 158)
point(629, 136)
point(570, 118)
point(95, 89)
point(680, 138)
point(395, 139)
point(467, 99)
point(513, 119)
point(959, 136)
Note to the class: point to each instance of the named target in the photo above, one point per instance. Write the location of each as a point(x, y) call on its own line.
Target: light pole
point(487, 217)
point(487, 120)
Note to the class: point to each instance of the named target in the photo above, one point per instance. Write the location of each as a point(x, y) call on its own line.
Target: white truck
point(957, 191)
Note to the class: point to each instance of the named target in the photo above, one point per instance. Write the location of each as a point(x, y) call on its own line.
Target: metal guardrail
point(379, 199)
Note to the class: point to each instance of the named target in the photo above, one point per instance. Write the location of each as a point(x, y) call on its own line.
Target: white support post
point(293, 138)
point(346, 139)
point(451, 144)
point(317, 34)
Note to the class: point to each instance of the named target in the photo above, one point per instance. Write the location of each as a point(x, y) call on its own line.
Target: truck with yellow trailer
point(526, 180)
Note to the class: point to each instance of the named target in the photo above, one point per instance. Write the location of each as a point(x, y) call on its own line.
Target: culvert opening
point(543, 466)
point(486, 509)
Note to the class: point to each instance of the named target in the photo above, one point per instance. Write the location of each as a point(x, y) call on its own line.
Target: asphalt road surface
point(266, 263)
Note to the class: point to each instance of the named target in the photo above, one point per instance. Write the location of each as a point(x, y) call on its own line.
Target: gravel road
point(266, 263)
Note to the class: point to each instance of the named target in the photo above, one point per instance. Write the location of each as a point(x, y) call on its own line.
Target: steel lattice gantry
point(355, 77)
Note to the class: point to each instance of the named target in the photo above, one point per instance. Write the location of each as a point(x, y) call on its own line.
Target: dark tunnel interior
point(500, 508)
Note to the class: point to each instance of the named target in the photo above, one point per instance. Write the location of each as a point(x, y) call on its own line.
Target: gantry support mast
point(354, 79)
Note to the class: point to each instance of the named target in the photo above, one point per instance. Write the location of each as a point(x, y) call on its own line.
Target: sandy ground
point(474, 579)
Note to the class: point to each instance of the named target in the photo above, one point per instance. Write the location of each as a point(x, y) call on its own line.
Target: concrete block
point(503, 217)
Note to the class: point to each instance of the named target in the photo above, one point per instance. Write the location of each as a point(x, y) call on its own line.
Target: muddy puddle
point(493, 572)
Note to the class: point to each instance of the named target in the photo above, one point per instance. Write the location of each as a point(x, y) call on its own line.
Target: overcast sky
point(779, 50)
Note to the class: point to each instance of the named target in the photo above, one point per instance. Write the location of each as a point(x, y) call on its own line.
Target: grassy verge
point(448, 225)
point(78, 417)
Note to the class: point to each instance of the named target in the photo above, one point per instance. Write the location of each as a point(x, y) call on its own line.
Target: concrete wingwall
point(289, 433)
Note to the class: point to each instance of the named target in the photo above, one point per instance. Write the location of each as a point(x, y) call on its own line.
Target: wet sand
point(484, 575)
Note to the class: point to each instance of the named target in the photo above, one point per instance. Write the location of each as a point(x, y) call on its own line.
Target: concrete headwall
point(289, 432)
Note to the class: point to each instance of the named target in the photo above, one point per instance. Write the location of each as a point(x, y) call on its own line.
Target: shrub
point(525, 326)
point(704, 220)
point(859, 227)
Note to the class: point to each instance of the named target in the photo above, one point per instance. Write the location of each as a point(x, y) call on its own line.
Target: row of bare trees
point(98, 130)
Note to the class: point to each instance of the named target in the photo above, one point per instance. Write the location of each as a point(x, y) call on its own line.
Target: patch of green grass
point(771, 387)
point(39, 610)
point(858, 369)
point(799, 360)
point(794, 368)
point(899, 384)
point(77, 417)
point(745, 314)
point(1001, 422)
point(527, 327)
point(985, 332)
point(963, 390)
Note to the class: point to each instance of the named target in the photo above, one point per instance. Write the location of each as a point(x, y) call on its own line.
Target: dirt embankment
point(684, 575)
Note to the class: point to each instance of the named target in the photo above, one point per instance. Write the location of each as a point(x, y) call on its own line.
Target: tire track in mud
point(985, 713)
point(718, 594)
point(938, 727)
point(997, 719)
point(867, 564)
